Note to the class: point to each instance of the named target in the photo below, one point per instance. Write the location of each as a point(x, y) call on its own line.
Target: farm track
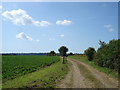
point(82, 75)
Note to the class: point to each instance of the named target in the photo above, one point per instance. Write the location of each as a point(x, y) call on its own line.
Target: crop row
point(14, 66)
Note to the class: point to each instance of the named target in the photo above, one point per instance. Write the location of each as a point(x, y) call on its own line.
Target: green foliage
point(63, 52)
point(90, 52)
point(101, 43)
point(70, 53)
point(52, 53)
point(108, 55)
point(14, 66)
point(44, 78)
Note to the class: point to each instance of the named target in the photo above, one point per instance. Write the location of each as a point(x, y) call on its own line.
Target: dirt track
point(82, 75)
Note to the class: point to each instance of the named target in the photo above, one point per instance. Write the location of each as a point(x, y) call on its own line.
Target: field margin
point(44, 78)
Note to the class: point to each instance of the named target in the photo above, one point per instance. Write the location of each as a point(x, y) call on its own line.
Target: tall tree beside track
point(63, 52)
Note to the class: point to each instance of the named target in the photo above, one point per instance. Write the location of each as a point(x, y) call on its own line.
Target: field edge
point(44, 78)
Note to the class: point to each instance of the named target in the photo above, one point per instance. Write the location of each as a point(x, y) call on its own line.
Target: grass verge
point(44, 78)
point(101, 69)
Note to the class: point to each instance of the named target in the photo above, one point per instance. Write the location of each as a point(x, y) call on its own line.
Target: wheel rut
point(81, 75)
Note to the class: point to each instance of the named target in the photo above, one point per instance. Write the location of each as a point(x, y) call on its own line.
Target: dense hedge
point(108, 55)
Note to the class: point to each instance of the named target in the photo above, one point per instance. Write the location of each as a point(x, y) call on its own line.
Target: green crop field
point(14, 66)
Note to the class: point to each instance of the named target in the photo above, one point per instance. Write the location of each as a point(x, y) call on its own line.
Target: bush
point(52, 53)
point(108, 55)
point(90, 52)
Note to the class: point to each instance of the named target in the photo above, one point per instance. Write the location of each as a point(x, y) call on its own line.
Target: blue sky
point(42, 27)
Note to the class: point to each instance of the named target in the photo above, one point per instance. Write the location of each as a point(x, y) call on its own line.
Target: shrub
point(108, 55)
point(52, 53)
point(90, 52)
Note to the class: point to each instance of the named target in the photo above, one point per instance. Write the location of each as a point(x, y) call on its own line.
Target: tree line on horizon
point(107, 55)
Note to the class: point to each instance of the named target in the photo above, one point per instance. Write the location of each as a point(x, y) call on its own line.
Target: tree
point(109, 55)
point(63, 50)
point(90, 52)
point(70, 53)
point(102, 43)
point(52, 53)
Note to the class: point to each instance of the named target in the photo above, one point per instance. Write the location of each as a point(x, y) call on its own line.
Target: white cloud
point(64, 22)
point(42, 23)
point(62, 35)
point(20, 17)
point(109, 27)
point(23, 36)
point(51, 39)
point(1, 7)
point(37, 40)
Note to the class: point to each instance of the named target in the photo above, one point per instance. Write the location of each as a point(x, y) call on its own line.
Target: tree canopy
point(52, 53)
point(90, 53)
point(63, 50)
point(108, 55)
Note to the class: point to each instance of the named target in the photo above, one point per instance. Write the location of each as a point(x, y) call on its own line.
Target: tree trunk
point(63, 60)
point(66, 59)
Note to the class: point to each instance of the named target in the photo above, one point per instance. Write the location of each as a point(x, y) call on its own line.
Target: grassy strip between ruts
point(44, 78)
point(101, 69)
point(88, 75)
